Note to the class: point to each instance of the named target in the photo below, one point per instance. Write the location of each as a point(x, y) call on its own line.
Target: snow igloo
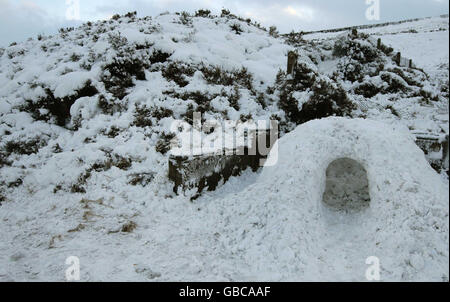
point(311, 228)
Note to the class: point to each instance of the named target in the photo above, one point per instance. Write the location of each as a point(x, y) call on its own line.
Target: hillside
point(425, 41)
point(85, 130)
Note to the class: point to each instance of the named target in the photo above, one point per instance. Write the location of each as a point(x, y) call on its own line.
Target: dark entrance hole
point(347, 186)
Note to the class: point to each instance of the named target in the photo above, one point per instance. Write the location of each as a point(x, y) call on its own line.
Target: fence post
point(445, 153)
point(292, 63)
point(398, 58)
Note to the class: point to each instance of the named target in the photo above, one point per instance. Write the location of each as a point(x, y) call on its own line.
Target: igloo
point(402, 221)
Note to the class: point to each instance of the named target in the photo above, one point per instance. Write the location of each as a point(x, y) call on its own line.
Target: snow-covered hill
point(425, 41)
point(85, 125)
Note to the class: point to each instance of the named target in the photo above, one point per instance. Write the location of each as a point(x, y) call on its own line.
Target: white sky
point(20, 19)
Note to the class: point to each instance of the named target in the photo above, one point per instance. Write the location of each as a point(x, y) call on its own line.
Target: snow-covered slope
point(284, 228)
point(85, 126)
point(425, 41)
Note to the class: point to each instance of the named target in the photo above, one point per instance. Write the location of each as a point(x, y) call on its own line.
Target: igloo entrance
point(347, 186)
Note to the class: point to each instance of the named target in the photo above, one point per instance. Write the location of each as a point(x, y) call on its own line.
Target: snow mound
point(288, 229)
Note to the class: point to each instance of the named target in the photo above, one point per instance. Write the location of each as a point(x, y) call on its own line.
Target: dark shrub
point(225, 13)
point(111, 132)
point(163, 144)
point(75, 58)
point(236, 28)
point(161, 112)
point(131, 15)
point(205, 13)
point(273, 31)
point(351, 70)
point(294, 38)
point(16, 183)
point(340, 49)
point(120, 73)
point(177, 72)
point(368, 90)
point(203, 100)
point(107, 106)
point(261, 100)
point(185, 18)
point(117, 41)
point(304, 77)
point(217, 76)
point(159, 56)
point(410, 80)
point(327, 100)
point(26, 147)
point(142, 179)
point(58, 108)
point(243, 78)
point(245, 117)
point(395, 85)
point(142, 117)
point(121, 162)
point(128, 227)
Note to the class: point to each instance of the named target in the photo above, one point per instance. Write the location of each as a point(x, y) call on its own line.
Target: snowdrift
point(405, 226)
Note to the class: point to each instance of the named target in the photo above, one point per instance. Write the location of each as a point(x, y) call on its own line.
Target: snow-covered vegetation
point(85, 130)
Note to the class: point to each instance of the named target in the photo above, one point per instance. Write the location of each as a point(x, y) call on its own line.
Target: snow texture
point(89, 178)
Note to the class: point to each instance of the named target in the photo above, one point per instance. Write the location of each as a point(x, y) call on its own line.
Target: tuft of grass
point(236, 28)
point(163, 144)
point(128, 227)
point(142, 179)
point(177, 72)
point(27, 147)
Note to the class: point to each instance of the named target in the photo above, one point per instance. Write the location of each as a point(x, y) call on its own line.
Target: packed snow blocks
point(208, 170)
point(405, 222)
point(436, 149)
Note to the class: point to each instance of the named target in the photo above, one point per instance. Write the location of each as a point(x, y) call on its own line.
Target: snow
point(433, 50)
point(265, 226)
point(425, 41)
point(284, 232)
point(270, 227)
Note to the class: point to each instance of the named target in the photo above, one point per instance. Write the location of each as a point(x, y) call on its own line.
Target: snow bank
point(286, 228)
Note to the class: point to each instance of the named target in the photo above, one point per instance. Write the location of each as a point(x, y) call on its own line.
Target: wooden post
point(379, 43)
point(445, 153)
point(398, 58)
point(292, 63)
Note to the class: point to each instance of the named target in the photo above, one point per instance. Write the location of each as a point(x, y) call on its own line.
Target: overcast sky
point(20, 19)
